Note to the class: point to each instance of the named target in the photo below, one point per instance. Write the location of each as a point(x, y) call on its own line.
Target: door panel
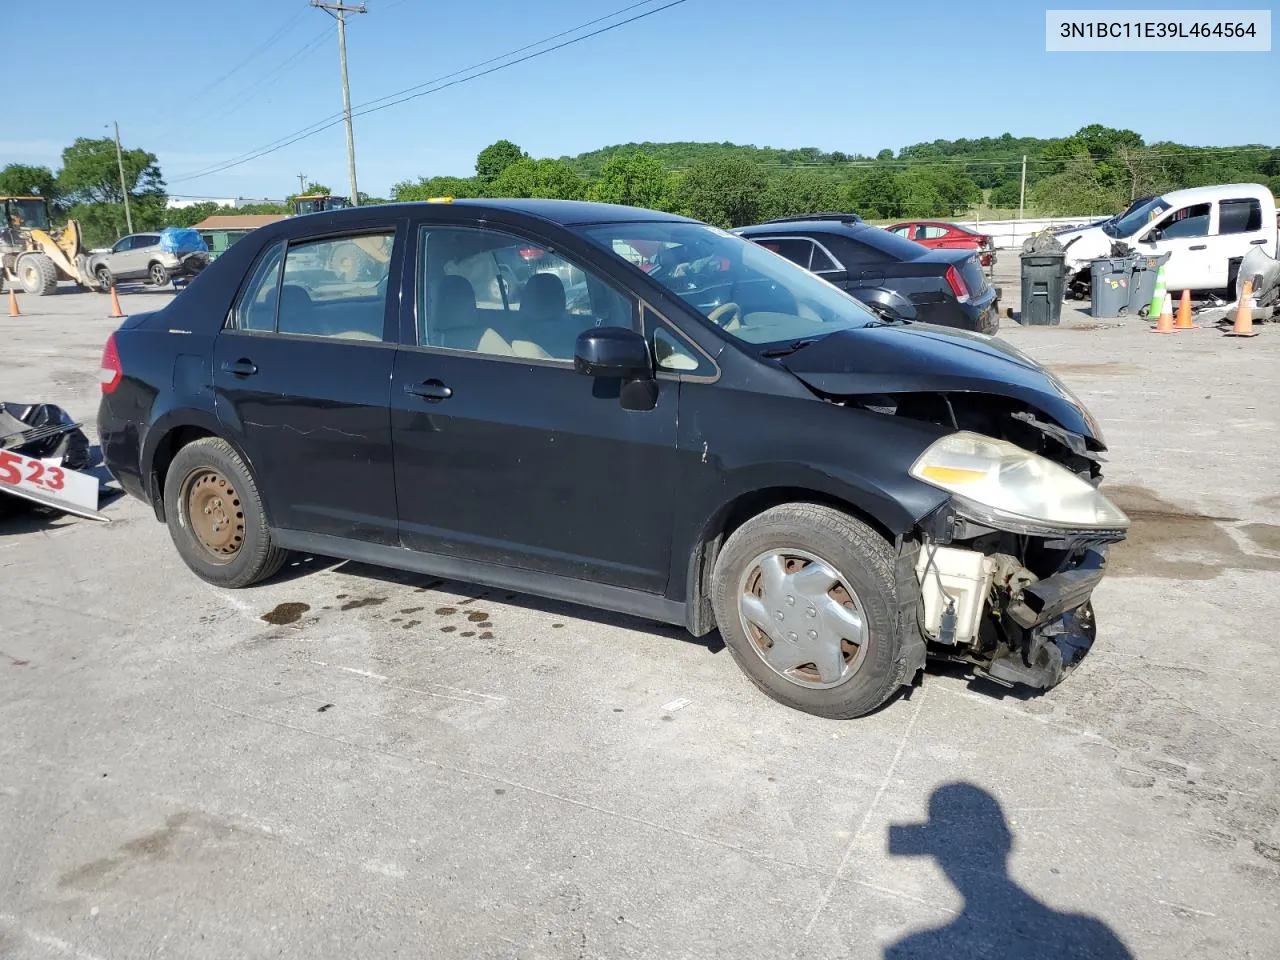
point(533, 465)
point(505, 454)
point(1184, 234)
point(314, 422)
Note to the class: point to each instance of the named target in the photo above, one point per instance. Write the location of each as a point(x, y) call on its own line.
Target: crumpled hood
point(920, 358)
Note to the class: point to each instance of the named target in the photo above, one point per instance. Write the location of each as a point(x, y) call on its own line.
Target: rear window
point(889, 246)
point(1239, 216)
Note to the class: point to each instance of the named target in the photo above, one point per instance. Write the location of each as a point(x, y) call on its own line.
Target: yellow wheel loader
point(34, 256)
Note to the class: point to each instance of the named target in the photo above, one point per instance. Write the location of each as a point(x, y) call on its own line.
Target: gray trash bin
point(1043, 282)
point(1110, 286)
point(1143, 285)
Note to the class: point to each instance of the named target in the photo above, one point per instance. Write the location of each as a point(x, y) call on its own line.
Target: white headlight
point(1004, 486)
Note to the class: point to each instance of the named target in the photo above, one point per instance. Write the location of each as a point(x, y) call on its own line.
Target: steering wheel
point(716, 315)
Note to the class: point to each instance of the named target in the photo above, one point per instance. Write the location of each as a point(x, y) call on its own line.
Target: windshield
point(749, 292)
point(30, 214)
point(1136, 218)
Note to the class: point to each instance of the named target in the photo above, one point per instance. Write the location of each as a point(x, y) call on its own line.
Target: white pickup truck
point(1208, 230)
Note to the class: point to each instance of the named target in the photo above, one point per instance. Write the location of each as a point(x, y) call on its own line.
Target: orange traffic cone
point(116, 312)
point(13, 303)
point(1244, 314)
point(1165, 323)
point(1184, 313)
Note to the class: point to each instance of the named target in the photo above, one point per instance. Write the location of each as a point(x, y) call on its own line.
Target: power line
point(320, 126)
point(284, 28)
point(260, 86)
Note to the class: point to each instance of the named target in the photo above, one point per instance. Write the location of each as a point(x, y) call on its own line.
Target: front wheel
point(105, 280)
point(37, 274)
point(804, 597)
point(216, 517)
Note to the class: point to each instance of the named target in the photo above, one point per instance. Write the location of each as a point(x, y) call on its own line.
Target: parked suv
point(722, 440)
point(895, 277)
point(155, 257)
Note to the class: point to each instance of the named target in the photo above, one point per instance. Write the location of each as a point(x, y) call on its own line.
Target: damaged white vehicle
point(1206, 231)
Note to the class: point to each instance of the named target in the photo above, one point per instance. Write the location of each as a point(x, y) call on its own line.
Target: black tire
point(255, 558)
point(38, 274)
point(105, 279)
point(862, 558)
point(158, 275)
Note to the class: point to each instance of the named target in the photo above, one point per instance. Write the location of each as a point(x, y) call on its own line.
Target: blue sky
point(836, 74)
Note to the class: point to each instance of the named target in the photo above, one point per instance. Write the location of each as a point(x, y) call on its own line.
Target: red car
point(937, 233)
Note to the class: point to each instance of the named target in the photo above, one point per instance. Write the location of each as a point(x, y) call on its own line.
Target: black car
point(892, 275)
point(625, 409)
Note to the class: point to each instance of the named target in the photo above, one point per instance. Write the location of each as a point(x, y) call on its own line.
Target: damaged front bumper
point(1016, 608)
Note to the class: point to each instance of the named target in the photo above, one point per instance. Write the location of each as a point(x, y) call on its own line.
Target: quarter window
point(491, 292)
point(257, 308)
point(1239, 216)
point(794, 249)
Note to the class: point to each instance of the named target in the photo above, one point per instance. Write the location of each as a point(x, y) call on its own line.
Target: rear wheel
point(158, 274)
point(37, 274)
point(216, 517)
point(804, 597)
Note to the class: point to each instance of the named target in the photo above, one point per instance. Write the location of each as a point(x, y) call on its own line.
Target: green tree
point(496, 157)
point(797, 192)
point(633, 179)
point(90, 173)
point(427, 187)
point(550, 179)
point(20, 179)
point(1080, 189)
point(874, 193)
point(728, 192)
point(190, 216)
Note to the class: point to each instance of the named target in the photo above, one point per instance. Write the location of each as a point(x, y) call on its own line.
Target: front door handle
point(429, 390)
point(1257, 242)
point(1199, 246)
point(240, 368)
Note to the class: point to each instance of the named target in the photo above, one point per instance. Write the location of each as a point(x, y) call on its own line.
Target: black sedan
point(895, 277)
point(625, 409)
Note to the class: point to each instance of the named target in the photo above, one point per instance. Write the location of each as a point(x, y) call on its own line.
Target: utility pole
point(339, 12)
point(1022, 197)
point(124, 190)
point(302, 183)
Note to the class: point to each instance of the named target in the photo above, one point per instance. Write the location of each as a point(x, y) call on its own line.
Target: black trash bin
point(1043, 282)
point(1110, 286)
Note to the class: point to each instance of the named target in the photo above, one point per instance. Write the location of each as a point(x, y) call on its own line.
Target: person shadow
point(969, 837)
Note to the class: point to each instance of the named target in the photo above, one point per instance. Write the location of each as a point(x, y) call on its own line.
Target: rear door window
point(934, 233)
point(1239, 216)
point(336, 287)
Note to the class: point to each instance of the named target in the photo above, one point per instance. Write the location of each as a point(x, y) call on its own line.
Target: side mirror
point(615, 352)
point(1152, 237)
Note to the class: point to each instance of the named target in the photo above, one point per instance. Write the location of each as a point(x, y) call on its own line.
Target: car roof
point(564, 212)
point(808, 226)
point(1216, 192)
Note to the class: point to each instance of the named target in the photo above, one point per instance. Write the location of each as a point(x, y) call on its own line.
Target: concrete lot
point(400, 766)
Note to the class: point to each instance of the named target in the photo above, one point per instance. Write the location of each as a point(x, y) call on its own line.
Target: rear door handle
point(1257, 242)
point(429, 390)
point(1200, 246)
point(241, 368)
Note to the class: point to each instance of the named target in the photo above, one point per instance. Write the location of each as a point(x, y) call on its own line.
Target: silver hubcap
point(803, 620)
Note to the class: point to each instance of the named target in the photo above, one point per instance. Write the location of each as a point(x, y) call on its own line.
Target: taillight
point(111, 372)
point(956, 282)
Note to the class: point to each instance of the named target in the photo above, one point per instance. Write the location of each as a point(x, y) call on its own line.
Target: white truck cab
point(1204, 228)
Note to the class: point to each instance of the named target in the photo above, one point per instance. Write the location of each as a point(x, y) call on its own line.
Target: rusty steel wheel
point(214, 514)
point(803, 620)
